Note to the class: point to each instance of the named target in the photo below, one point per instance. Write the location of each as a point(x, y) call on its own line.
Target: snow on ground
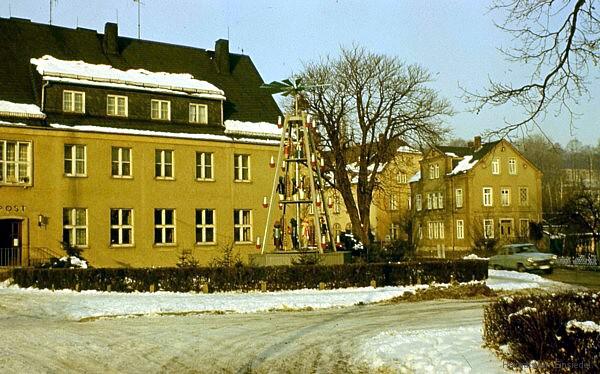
point(513, 280)
point(436, 350)
point(74, 305)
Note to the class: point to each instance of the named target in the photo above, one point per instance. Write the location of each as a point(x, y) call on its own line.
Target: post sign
point(12, 208)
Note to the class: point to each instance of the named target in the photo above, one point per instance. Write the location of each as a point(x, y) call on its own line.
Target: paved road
point(326, 341)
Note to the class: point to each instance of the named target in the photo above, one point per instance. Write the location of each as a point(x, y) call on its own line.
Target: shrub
point(246, 278)
point(535, 332)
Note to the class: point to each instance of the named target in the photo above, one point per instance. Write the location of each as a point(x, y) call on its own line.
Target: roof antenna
point(51, 2)
point(139, 4)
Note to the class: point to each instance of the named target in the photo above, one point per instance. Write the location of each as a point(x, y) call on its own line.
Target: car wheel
point(521, 268)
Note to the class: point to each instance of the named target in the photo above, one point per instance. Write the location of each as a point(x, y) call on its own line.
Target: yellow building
point(131, 166)
point(390, 208)
point(465, 196)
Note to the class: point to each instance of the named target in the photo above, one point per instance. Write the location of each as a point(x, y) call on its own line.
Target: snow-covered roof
point(451, 154)
point(415, 178)
point(11, 109)
point(54, 69)
point(264, 129)
point(407, 149)
point(464, 165)
point(114, 130)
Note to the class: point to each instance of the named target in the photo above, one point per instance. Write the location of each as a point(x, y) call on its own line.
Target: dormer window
point(161, 110)
point(73, 101)
point(199, 113)
point(116, 105)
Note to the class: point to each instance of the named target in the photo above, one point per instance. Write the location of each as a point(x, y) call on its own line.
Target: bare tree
point(559, 39)
point(364, 104)
point(582, 212)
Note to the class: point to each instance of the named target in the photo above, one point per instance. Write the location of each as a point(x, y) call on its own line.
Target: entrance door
point(506, 228)
point(10, 242)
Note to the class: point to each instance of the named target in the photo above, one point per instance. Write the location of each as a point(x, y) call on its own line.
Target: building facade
point(465, 196)
point(133, 151)
point(390, 208)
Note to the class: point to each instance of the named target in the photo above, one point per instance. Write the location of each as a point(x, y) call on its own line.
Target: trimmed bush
point(534, 332)
point(246, 278)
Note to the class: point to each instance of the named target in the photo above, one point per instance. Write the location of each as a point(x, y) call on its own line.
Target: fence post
point(321, 286)
point(205, 288)
point(152, 287)
point(263, 286)
point(373, 283)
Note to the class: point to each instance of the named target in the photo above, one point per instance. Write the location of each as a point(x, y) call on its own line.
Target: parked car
point(522, 257)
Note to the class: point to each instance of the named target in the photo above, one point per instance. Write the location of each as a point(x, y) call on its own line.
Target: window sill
point(205, 180)
point(122, 246)
point(244, 243)
point(75, 175)
point(164, 178)
point(202, 244)
point(122, 176)
point(166, 246)
point(242, 181)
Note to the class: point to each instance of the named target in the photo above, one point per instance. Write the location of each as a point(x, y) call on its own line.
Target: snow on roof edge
point(190, 136)
point(11, 109)
point(50, 66)
point(264, 129)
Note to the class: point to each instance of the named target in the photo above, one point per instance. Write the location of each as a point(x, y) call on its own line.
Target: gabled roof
point(23, 40)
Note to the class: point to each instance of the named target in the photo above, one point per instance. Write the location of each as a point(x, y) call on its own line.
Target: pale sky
point(455, 40)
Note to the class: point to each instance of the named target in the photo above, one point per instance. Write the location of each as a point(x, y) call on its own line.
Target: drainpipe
point(43, 94)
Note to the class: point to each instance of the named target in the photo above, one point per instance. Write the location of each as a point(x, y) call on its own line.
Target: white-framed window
point(430, 230)
point(512, 166)
point(460, 229)
point(440, 197)
point(434, 200)
point(436, 229)
point(496, 166)
point(242, 225)
point(117, 105)
point(505, 196)
point(458, 193)
point(442, 230)
point(121, 227)
point(393, 202)
point(199, 113)
point(418, 202)
point(420, 231)
point(431, 172)
point(121, 162)
point(205, 226)
point(75, 160)
point(523, 196)
point(15, 162)
point(394, 231)
point(241, 168)
point(488, 228)
point(204, 166)
point(160, 109)
point(401, 177)
point(488, 198)
point(164, 226)
point(73, 101)
point(436, 170)
point(164, 163)
point(75, 227)
point(429, 201)
point(524, 228)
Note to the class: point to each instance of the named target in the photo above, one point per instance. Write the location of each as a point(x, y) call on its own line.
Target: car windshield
point(526, 248)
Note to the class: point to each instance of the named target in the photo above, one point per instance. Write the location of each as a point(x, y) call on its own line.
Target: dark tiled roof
point(22, 40)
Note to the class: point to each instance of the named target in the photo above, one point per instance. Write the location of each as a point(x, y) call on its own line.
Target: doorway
point(506, 228)
point(10, 242)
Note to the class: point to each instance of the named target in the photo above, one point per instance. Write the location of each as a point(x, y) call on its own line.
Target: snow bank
point(49, 66)
point(20, 110)
point(587, 326)
point(436, 350)
point(90, 304)
point(415, 178)
point(473, 256)
point(513, 280)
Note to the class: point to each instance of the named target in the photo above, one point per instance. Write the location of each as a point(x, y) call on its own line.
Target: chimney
point(477, 142)
point(470, 144)
point(222, 55)
point(109, 40)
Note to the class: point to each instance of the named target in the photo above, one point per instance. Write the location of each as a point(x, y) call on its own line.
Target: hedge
point(533, 332)
point(245, 278)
